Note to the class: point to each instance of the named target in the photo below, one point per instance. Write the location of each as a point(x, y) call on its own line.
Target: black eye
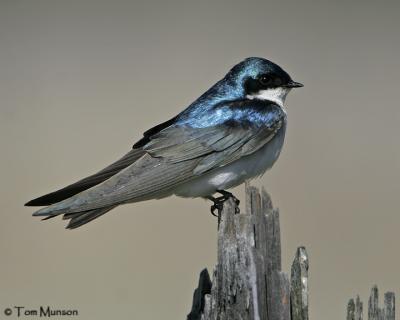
point(265, 80)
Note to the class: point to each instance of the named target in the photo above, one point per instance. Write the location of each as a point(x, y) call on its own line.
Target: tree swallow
point(233, 132)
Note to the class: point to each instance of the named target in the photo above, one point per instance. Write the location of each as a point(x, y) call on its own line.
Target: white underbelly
point(235, 173)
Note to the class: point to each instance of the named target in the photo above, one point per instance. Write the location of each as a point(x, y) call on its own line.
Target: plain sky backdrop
point(80, 81)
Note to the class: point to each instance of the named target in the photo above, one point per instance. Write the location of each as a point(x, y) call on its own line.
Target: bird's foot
point(218, 204)
point(226, 195)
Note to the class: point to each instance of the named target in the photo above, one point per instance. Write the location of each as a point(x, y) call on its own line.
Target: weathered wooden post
point(248, 282)
point(299, 286)
point(355, 311)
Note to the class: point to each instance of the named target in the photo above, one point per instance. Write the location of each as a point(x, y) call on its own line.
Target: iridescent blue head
point(253, 78)
point(259, 78)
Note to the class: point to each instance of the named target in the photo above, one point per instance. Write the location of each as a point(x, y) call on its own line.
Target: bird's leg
point(218, 203)
point(226, 195)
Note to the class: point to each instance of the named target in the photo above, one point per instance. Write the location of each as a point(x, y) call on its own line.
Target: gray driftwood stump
point(248, 282)
point(355, 309)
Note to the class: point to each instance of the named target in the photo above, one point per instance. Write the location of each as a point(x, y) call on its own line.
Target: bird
point(232, 133)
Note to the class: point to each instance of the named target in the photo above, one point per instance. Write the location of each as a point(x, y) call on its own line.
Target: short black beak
point(293, 84)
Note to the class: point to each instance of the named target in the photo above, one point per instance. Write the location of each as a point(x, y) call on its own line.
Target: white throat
point(277, 95)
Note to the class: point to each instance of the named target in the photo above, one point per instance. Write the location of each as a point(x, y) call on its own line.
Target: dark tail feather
point(50, 217)
point(80, 218)
point(64, 193)
point(88, 182)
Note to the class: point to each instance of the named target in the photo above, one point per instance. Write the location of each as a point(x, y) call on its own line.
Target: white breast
point(235, 173)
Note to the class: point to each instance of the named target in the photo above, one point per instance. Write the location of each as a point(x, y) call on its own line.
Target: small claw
point(216, 206)
point(212, 209)
point(219, 204)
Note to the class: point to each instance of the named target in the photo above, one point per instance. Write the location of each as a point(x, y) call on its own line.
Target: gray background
point(81, 80)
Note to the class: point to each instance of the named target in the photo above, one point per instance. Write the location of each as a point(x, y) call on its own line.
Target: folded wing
point(173, 155)
point(87, 182)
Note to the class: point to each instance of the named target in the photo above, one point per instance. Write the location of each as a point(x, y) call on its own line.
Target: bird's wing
point(88, 182)
point(102, 175)
point(147, 178)
point(175, 155)
point(213, 147)
point(217, 145)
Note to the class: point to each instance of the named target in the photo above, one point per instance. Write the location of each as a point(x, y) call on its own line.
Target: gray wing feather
point(172, 156)
point(147, 178)
point(88, 182)
point(183, 143)
point(214, 147)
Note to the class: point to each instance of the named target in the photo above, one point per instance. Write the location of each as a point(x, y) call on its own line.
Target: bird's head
point(259, 78)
